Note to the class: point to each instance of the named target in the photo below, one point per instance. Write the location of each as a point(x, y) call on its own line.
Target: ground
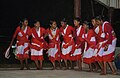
point(47, 73)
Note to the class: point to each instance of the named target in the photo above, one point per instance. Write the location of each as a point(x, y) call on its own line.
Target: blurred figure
point(79, 42)
point(22, 32)
point(90, 43)
point(68, 33)
point(107, 52)
point(54, 52)
point(37, 44)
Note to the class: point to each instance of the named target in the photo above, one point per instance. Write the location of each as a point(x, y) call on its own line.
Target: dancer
point(54, 43)
point(22, 32)
point(37, 44)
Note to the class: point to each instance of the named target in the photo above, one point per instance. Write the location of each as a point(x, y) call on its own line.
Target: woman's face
point(54, 24)
point(63, 24)
point(76, 23)
point(93, 22)
point(98, 22)
point(25, 23)
point(85, 26)
point(37, 24)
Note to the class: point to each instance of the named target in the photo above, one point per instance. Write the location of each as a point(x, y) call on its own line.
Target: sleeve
point(29, 31)
point(73, 31)
point(60, 30)
point(90, 33)
point(108, 32)
point(81, 34)
point(47, 31)
point(16, 32)
point(43, 31)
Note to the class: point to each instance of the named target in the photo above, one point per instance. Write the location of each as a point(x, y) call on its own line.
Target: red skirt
point(37, 58)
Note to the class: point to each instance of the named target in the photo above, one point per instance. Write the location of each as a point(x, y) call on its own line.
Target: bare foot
point(114, 73)
point(66, 68)
point(103, 73)
point(28, 68)
point(22, 68)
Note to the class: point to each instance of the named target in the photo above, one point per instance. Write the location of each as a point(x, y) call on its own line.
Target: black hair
point(64, 20)
point(100, 18)
point(21, 21)
point(77, 18)
point(51, 22)
point(35, 21)
point(88, 24)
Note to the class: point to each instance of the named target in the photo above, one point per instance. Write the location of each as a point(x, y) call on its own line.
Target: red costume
point(54, 44)
point(90, 42)
point(37, 43)
point(79, 46)
point(68, 42)
point(22, 42)
point(108, 54)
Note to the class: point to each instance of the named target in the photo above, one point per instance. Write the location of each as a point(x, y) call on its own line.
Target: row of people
point(80, 43)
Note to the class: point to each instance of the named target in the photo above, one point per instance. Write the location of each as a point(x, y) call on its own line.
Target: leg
point(26, 61)
point(66, 64)
point(101, 65)
point(60, 64)
point(41, 64)
point(90, 67)
point(80, 64)
point(112, 67)
point(71, 63)
point(54, 67)
point(22, 66)
point(104, 68)
point(36, 63)
point(96, 66)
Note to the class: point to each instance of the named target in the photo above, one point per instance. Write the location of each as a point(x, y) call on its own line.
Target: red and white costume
point(111, 42)
point(54, 44)
point(68, 42)
point(37, 43)
point(90, 42)
point(79, 46)
point(22, 42)
point(101, 41)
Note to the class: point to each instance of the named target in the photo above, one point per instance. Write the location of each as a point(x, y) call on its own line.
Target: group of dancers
point(79, 43)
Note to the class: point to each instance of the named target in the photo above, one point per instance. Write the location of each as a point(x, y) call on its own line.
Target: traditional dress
point(111, 42)
point(90, 42)
point(68, 42)
point(22, 42)
point(54, 44)
point(37, 43)
point(79, 46)
point(101, 42)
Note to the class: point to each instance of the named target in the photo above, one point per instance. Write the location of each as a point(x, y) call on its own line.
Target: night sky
point(44, 10)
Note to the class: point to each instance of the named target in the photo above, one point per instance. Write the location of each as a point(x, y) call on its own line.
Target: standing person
point(96, 63)
point(79, 42)
point(90, 42)
point(54, 43)
point(37, 44)
point(68, 42)
point(22, 32)
point(100, 36)
point(108, 53)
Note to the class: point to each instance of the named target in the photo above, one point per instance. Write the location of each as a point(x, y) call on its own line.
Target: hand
point(47, 52)
point(65, 46)
point(106, 47)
